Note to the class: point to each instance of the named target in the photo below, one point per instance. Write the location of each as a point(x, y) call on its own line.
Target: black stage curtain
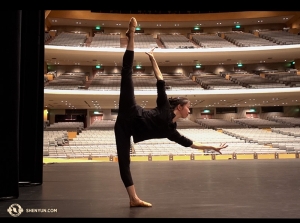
point(31, 97)
point(10, 96)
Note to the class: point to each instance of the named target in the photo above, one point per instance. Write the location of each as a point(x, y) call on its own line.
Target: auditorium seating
point(176, 41)
point(288, 121)
point(251, 80)
point(291, 131)
point(289, 78)
point(99, 140)
point(106, 40)
point(258, 123)
point(244, 136)
point(144, 41)
point(280, 37)
point(211, 41)
point(68, 81)
point(260, 136)
point(243, 39)
point(218, 123)
point(47, 37)
point(64, 126)
point(68, 39)
point(211, 81)
point(105, 83)
point(101, 124)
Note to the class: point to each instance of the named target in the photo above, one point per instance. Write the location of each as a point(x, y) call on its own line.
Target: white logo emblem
point(15, 210)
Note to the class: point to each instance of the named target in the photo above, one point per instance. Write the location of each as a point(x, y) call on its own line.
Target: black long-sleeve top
point(157, 122)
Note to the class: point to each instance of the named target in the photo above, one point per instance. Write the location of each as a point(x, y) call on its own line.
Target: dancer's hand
point(222, 146)
point(198, 145)
point(150, 53)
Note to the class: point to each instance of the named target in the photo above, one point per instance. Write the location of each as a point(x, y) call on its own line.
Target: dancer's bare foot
point(150, 53)
point(131, 27)
point(140, 203)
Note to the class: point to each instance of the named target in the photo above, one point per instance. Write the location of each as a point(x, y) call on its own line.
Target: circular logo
point(15, 210)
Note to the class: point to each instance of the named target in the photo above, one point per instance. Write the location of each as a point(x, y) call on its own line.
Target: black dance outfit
point(141, 124)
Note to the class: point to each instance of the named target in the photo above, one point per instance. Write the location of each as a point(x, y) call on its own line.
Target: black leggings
point(123, 123)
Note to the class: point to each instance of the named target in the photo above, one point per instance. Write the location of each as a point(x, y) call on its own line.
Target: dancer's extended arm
point(155, 67)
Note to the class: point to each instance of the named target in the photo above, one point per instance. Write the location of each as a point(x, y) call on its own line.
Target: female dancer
point(133, 120)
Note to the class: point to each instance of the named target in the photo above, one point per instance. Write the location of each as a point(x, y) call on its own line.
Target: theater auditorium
point(239, 69)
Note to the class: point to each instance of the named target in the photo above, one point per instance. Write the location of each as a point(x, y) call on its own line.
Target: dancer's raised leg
point(135, 201)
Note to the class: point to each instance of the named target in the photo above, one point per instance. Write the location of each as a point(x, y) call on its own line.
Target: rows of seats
point(143, 82)
point(65, 126)
point(219, 124)
point(261, 136)
point(243, 39)
point(144, 41)
point(177, 41)
point(101, 124)
point(289, 121)
point(216, 82)
point(282, 123)
point(184, 123)
point(67, 81)
point(55, 138)
point(68, 39)
point(259, 123)
point(181, 82)
point(280, 37)
point(81, 151)
point(106, 40)
point(236, 80)
point(250, 80)
point(224, 80)
point(100, 141)
point(291, 131)
point(211, 41)
point(47, 37)
point(202, 81)
point(290, 147)
point(285, 77)
point(109, 124)
point(105, 83)
point(97, 137)
point(103, 144)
